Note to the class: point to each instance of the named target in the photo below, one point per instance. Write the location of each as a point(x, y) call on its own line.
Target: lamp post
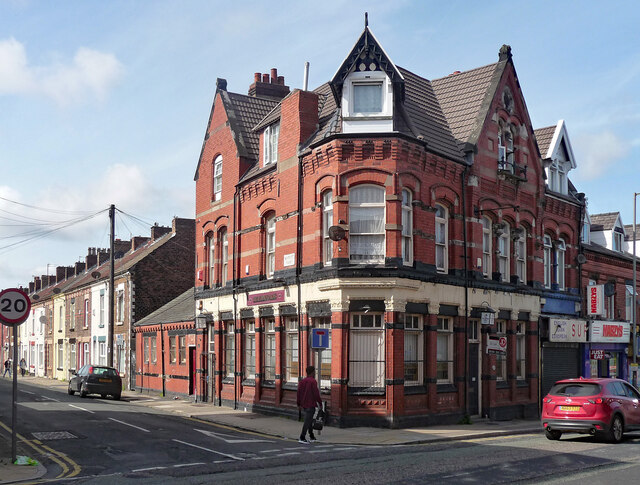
point(633, 311)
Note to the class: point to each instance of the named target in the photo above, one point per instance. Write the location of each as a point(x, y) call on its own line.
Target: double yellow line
point(69, 467)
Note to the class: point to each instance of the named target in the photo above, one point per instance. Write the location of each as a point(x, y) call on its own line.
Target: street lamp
point(487, 314)
point(634, 312)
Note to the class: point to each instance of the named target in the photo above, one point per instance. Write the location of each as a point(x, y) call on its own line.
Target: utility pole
point(635, 299)
point(112, 220)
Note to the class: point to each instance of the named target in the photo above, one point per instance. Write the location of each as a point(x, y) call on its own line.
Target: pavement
point(274, 426)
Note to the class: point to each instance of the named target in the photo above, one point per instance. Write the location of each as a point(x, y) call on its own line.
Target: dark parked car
point(605, 407)
point(96, 379)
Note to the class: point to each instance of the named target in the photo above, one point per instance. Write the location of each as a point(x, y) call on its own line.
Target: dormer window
point(617, 241)
point(270, 144)
point(367, 102)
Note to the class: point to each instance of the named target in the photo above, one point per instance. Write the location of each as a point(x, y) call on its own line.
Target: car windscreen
point(104, 371)
point(579, 389)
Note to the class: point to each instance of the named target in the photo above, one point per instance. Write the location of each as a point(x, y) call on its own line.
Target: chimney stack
point(60, 273)
point(32, 286)
point(78, 268)
point(52, 280)
point(91, 259)
point(158, 231)
point(268, 86)
point(103, 256)
point(120, 247)
point(37, 283)
point(138, 241)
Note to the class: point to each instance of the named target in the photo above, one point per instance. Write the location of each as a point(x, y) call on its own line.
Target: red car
point(606, 407)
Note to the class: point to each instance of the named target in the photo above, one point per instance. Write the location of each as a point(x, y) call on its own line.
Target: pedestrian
point(23, 366)
point(308, 397)
point(7, 367)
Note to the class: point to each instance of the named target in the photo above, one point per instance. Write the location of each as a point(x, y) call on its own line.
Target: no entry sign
point(15, 306)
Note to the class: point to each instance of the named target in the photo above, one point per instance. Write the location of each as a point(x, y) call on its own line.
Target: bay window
point(327, 222)
point(413, 350)
point(444, 350)
point(442, 238)
point(486, 246)
point(367, 224)
point(407, 227)
point(291, 350)
point(367, 350)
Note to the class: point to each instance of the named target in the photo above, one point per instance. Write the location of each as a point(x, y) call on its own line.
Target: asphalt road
point(100, 441)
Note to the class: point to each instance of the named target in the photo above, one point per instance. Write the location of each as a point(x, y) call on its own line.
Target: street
point(102, 441)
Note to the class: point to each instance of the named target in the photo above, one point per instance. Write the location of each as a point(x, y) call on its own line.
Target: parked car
point(96, 379)
point(596, 406)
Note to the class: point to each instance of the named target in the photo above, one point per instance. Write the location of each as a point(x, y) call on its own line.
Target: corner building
point(397, 213)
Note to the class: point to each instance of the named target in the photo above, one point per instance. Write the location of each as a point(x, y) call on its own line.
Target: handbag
point(318, 419)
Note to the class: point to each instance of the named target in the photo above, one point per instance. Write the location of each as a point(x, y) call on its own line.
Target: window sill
point(268, 384)
point(250, 382)
point(367, 391)
point(414, 389)
point(227, 380)
point(522, 383)
point(291, 386)
point(446, 387)
point(502, 385)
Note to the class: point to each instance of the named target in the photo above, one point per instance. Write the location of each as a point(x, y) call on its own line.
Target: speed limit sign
point(14, 306)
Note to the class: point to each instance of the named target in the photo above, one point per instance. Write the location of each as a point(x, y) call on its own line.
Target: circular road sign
point(14, 306)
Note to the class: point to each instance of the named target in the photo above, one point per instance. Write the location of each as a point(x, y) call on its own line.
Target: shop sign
point(496, 345)
point(567, 330)
point(264, 298)
point(602, 331)
point(599, 354)
point(595, 299)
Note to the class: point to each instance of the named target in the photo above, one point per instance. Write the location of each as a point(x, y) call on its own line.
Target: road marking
point(223, 461)
point(209, 450)
point(187, 464)
point(132, 425)
point(272, 451)
point(48, 398)
point(229, 438)
point(289, 454)
point(81, 409)
point(223, 426)
point(27, 392)
point(344, 449)
point(320, 451)
point(149, 469)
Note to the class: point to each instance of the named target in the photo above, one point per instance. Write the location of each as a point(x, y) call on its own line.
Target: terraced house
point(406, 217)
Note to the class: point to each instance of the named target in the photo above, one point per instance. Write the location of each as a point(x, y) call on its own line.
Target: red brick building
point(400, 214)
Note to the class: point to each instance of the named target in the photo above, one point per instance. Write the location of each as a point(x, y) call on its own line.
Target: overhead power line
point(54, 211)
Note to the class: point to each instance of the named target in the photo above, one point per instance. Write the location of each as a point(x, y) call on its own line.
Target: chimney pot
point(281, 80)
point(256, 77)
point(265, 78)
point(274, 75)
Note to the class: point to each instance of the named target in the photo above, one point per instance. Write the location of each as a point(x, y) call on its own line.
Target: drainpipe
point(235, 297)
point(466, 288)
point(299, 260)
point(162, 353)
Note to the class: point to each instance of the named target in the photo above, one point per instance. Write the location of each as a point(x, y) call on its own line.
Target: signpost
point(15, 306)
point(319, 342)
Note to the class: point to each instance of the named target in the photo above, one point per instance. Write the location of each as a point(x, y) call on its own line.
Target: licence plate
point(104, 380)
point(569, 408)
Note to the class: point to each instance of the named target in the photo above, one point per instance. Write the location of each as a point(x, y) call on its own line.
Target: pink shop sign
point(265, 298)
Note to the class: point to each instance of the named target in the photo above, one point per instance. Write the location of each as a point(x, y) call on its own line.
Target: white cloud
point(90, 74)
point(598, 153)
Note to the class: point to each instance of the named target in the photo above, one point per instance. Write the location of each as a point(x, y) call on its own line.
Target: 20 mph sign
point(14, 306)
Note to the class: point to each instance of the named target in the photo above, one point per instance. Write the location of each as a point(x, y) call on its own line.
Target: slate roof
point(628, 229)
point(597, 248)
point(544, 137)
point(464, 99)
point(248, 111)
point(180, 309)
point(603, 222)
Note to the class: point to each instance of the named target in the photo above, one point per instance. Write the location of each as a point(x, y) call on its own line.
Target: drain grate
point(54, 435)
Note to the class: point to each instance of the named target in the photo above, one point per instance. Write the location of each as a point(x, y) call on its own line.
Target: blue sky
point(107, 102)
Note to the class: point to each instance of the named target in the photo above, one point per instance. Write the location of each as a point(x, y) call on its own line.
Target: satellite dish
point(35, 297)
point(96, 274)
point(56, 291)
point(42, 319)
point(581, 258)
point(336, 233)
point(609, 289)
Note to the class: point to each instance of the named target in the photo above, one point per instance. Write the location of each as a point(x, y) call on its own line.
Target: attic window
point(367, 97)
point(270, 144)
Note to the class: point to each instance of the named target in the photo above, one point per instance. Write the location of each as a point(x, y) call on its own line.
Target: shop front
point(605, 355)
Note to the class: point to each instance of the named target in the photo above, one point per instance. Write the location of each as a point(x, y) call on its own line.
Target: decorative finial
point(505, 52)
point(366, 20)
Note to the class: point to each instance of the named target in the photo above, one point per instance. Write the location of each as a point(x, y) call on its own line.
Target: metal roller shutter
point(559, 361)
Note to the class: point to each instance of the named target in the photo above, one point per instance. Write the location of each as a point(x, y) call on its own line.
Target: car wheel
point(83, 392)
point(617, 430)
point(116, 397)
point(70, 391)
point(103, 396)
point(552, 434)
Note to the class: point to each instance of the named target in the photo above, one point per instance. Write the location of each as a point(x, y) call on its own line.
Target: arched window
point(407, 227)
point(366, 224)
point(210, 258)
point(327, 222)
point(270, 244)
point(506, 156)
point(520, 249)
point(217, 178)
point(547, 261)
point(224, 256)
point(560, 269)
point(486, 246)
point(503, 252)
point(442, 239)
